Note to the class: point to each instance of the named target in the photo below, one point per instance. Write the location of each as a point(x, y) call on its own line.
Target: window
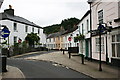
point(65, 38)
point(100, 16)
point(87, 25)
point(82, 28)
point(77, 34)
point(38, 31)
point(15, 26)
point(54, 39)
point(58, 38)
point(116, 45)
point(26, 28)
point(15, 39)
point(50, 40)
point(61, 39)
point(98, 45)
point(33, 29)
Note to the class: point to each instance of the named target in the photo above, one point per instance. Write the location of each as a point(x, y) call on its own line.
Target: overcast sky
point(47, 12)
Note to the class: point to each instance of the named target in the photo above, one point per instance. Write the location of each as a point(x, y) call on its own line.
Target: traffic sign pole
point(4, 33)
point(101, 29)
point(100, 67)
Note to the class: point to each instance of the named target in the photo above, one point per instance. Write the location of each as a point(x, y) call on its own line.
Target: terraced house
point(108, 14)
point(60, 40)
point(19, 27)
point(84, 28)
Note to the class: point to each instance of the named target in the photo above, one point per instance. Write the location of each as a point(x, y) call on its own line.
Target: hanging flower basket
point(79, 38)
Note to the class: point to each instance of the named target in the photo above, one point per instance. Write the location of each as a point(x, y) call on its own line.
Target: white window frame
point(33, 29)
point(87, 22)
point(38, 31)
point(26, 28)
point(15, 39)
point(98, 45)
point(100, 16)
point(115, 42)
point(15, 26)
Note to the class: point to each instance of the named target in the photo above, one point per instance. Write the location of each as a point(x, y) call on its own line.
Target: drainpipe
point(90, 30)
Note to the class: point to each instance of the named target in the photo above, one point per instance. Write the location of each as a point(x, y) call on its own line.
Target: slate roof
point(71, 30)
point(6, 16)
point(55, 34)
point(62, 33)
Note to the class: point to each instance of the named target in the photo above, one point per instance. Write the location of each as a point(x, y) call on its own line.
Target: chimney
point(9, 11)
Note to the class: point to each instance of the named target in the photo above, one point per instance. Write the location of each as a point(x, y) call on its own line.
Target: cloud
point(47, 12)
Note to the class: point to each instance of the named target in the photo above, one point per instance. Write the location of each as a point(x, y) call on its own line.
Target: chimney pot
point(10, 7)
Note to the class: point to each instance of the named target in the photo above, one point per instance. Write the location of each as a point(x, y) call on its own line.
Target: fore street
point(43, 69)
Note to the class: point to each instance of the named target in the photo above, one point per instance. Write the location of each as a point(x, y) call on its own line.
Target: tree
point(32, 38)
point(67, 24)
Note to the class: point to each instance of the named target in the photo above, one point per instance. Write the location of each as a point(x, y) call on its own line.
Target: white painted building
point(84, 28)
point(72, 33)
point(19, 27)
point(60, 40)
point(106, 13)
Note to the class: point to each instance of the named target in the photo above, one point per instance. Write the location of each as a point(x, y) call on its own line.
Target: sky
point(47, 12)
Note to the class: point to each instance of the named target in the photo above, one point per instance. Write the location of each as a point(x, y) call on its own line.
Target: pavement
point(89, 68)
point(13, 72)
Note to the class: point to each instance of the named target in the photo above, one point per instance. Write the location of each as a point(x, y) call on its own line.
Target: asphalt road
point(44, 69)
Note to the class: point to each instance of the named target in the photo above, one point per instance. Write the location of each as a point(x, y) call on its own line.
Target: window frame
point(115, 42)
point(15, 27)
point(26, 28)
point(100, 16)
point(33, 29)
point(98, 45)
point(15, 39)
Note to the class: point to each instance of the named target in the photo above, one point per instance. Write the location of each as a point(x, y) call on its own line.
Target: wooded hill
point(67, 24)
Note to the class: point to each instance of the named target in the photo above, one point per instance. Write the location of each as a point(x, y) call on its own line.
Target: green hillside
point(67, 24)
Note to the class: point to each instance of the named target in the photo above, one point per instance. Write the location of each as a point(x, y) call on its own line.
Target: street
point(43, 69)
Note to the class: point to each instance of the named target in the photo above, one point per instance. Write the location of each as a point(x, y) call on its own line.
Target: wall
point(110, 12)
point(20, 32)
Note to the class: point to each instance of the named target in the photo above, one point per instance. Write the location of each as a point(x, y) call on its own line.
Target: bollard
point(4, 63)
point(63, 52)
point(82, 58)
point(69, 55)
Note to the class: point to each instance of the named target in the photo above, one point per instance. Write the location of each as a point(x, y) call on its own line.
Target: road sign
point(101, 28)
point(69, 39)
point(5, 32)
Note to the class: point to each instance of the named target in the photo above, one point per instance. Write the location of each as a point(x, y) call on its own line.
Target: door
point(87, 48)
